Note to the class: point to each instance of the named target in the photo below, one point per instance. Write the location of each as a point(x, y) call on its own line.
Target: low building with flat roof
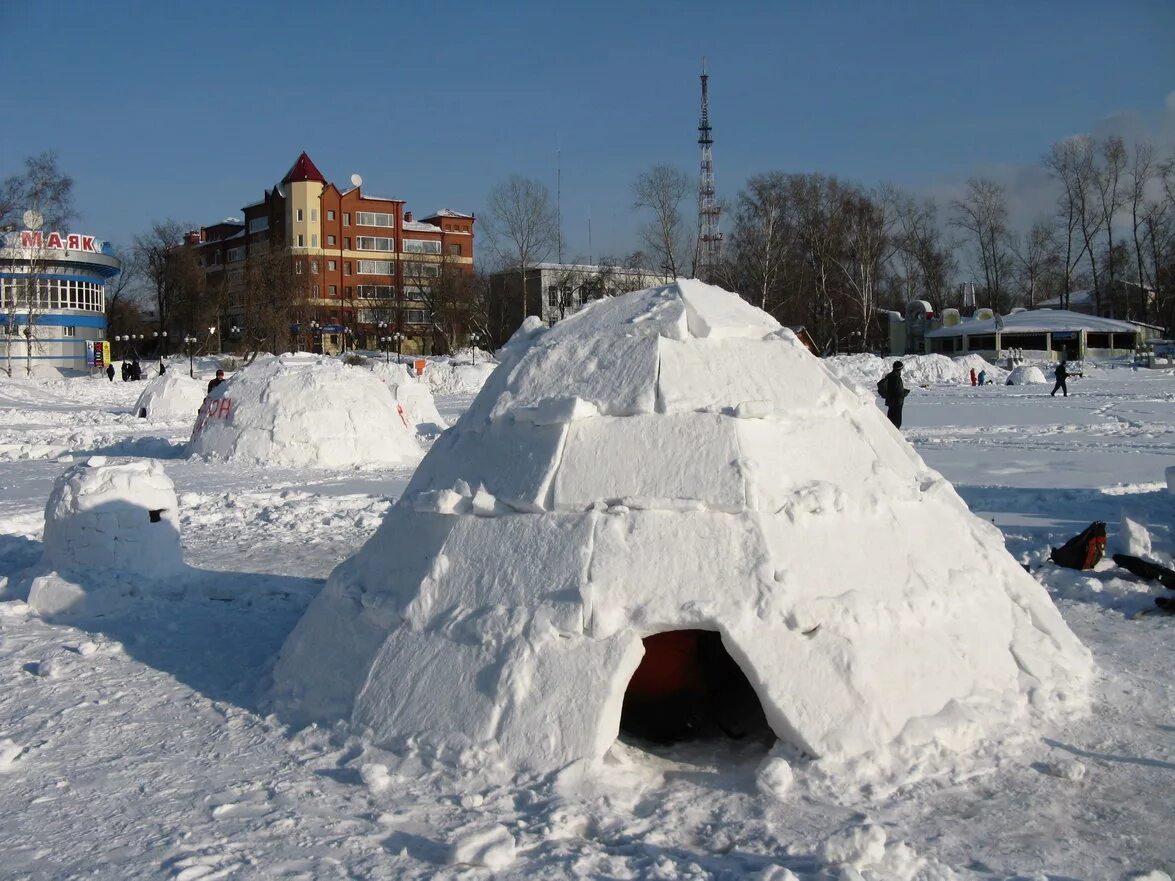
point(1047, 333)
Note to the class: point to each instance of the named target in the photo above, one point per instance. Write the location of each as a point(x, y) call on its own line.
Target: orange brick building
point(363, 264)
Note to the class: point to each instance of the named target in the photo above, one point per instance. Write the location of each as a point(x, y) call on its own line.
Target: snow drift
point(173, 395)
point(669, 460)
point(865, 370)
point(300, 410)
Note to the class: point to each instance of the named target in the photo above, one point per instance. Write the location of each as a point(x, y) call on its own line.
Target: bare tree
point(272, 292)
point(1111, 197)
point(1089, 214)
point(1063, 160)
point(1036, 260)
point(521, 225)
point(661, 190)
point(764, 233)
point(42, 194)
point(1142, 172)
point(983, 214)
point(867, 247)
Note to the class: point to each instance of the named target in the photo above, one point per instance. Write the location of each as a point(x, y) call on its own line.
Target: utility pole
point(709, 235)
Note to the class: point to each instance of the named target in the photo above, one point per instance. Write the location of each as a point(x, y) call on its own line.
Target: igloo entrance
point(688, 687)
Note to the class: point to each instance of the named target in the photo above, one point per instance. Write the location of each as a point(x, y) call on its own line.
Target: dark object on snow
point(890, 387)
point(217, 380)
point(1082, 551)
point(110, 372)
point(1166, 604)
point(1147, 570)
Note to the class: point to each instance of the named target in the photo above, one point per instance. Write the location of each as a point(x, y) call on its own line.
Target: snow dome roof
point(173, 395)
point(303, 410)
point(674, 459)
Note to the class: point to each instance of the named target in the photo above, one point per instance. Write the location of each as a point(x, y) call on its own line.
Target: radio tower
point(709, 236)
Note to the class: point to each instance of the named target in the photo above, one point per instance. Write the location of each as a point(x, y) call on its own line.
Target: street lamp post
point(381, 331)
point(314, 325)
point(190, 341)
point(474, 338)
point(398, 337)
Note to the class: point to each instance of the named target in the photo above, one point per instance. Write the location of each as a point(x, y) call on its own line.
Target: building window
point(330, 240)
point(299, 215)
point(314, 215)
point(454, 250)
point(375, 243)
point(421, 270)
point(371, 218)
point(376, 292)
point(552, 296)
point(301, 240)
point(346, 219)
point(297, 267)
point(330, 215)
point(331, 266)
point(235, 254)
point(316, 290)
point(346, 267)
point(375, 267)
point(258, 224)
point(314, 266)
point(420, 246)
point(334, 291)
point(347, 242)
point(69, 330)
point(347, 291)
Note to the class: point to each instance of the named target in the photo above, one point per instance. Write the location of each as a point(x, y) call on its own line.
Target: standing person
point(213, 383)
point(972, 376)
point(126, 372)
point(110, 372)
point(895, 394)
point(1062, 374)
point(983, 377)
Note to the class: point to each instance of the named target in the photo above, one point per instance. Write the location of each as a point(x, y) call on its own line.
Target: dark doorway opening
point(688, 687)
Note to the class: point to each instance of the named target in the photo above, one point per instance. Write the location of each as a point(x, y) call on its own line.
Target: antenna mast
point(709, 235)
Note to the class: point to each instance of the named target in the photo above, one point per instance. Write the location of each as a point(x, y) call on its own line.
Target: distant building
point(1049, 333)
point(359, 260)
point(53, 296)
point(556, 290)
point(1123, 300)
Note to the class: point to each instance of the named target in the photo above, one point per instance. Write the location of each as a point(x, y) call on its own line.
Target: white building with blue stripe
point(53, 297)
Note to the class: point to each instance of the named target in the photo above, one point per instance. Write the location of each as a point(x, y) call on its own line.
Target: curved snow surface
point(416, 404)
point(303, 410)
point(173, 395)
point(1026, 374)
point(674, 459)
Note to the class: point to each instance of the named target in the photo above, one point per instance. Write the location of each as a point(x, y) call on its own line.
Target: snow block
point(673, 459)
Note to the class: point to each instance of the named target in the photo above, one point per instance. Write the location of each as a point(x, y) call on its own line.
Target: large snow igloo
point(674, 460)
point(304, 410)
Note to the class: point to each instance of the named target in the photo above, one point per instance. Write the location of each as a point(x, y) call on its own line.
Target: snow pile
point(302, 410)
point(673, 459)
point(106, 522)
point(173, 395)
point(865, 370)
point(415, 404)
point(457, 379)
point(1026, 374)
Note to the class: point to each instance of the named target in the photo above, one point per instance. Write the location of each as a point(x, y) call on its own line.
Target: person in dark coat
point(126, 372)
point(895, 394)
point(217, 380)
point(136, 370)
point(1062, 374)
point(110, 372)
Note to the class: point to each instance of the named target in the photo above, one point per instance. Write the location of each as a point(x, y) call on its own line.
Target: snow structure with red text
point(304, 410)
point(674, 459)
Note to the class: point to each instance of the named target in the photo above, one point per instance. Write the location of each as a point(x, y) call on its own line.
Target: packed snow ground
point(139, 746)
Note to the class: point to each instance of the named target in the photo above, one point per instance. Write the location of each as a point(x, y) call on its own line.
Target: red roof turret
point(304, 169)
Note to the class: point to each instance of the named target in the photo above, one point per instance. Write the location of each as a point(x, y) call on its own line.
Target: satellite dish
point(33, 219)
point(356, 180)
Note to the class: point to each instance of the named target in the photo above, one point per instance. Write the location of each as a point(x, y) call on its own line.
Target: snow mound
point(173, 395)
point(415, 404)
point(106, 522)
point(673, 459)
point(865, 370)
point(457, 379)
point(1026, 374)
point(301, 410)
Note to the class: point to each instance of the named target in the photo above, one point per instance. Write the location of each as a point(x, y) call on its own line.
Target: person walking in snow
point(1061, 374)
point(110, 372)
point(972, 376)
point(895, 394)
point(213, 383)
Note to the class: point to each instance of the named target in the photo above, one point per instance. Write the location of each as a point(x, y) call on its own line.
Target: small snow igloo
point(105, 523)
point(673, 460)
point(173, 395)
point(304, 410)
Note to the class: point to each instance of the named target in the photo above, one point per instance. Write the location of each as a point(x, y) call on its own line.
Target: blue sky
point(162, 110)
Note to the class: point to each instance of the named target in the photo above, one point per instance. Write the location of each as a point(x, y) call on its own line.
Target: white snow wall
point(664, 460)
